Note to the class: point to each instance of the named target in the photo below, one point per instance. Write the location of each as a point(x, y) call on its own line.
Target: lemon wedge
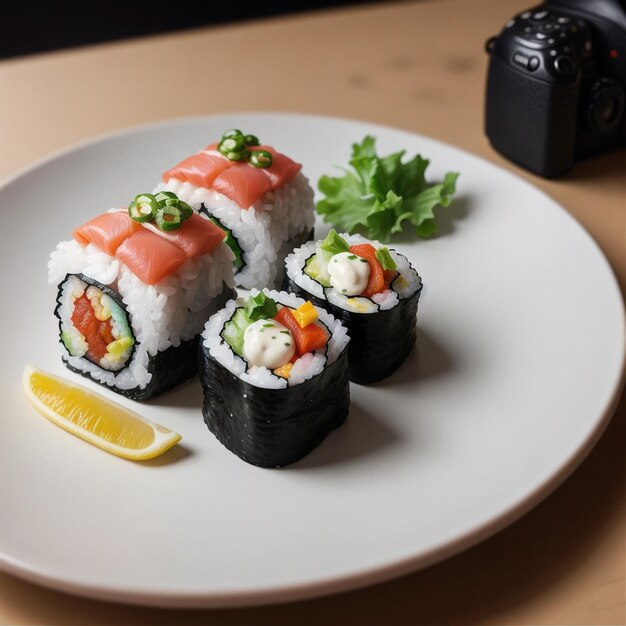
point(95, 419)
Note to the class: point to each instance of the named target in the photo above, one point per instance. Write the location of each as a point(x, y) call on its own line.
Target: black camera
point(556, 84)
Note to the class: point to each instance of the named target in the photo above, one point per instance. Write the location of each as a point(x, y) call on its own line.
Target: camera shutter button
point(565, 65)
point(530, 63)
point(540, 15)
point(490, 44)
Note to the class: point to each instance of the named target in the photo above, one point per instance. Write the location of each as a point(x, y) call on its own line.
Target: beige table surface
point(419, 66)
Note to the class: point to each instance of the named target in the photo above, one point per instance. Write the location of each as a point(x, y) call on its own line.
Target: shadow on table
point(362, 434)
point(178, 453)
point(600, 167)
point(446, 218)
point(365, 434)
point(185, 395)
point(429, 358)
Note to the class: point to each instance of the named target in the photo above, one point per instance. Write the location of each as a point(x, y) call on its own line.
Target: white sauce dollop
point(266, 343)
point(349, 273)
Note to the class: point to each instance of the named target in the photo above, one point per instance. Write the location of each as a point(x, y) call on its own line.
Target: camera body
point(556, 84)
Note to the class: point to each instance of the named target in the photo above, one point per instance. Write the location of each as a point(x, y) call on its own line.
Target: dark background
point(32, 26)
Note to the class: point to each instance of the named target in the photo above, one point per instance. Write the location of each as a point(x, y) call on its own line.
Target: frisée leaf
point(260, 307)
point(380, 194)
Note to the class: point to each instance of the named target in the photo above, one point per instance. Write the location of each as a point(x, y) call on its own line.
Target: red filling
point(308, 339)
point(97, 333)
point(379, 279)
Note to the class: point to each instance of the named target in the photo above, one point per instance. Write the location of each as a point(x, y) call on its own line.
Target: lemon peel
point(95, 419)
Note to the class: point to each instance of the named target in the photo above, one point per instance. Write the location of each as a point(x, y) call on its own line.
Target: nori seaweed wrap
point(272, 417)
point(165, 369)
point(381, 325)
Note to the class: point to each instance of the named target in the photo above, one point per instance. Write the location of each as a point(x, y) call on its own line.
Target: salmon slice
point(150, 257)
point(107, 231)
point(243, 184)
point(195, 236)
point(199, 169)
point(97, 333)
point(282, 169)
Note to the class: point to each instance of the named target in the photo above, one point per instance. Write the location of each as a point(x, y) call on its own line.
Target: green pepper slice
point(168, 218)
point(261, 158)
point(142, 208)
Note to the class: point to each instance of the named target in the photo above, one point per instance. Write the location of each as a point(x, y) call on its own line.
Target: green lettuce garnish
point(260, 307)
point(383, 193)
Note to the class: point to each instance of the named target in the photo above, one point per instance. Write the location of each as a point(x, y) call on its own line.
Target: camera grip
point(529, 121)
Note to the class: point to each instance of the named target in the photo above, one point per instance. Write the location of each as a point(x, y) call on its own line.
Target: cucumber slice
point(118, 317)
point(234, 329)
point(231, 242)
point(74, 342)
point(316, 266)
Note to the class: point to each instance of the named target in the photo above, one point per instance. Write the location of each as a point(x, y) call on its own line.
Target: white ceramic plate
point(519, 361)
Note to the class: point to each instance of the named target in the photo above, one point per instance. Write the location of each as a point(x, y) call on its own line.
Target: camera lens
point(607, 111)
point(605, 105)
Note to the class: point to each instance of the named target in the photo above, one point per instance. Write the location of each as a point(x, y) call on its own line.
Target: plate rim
point(259, 596)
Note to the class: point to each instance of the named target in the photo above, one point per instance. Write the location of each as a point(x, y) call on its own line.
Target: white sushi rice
point(261, 230)
point(303, 369)
point(160, 315)
point(403, 287)
point(70, 291)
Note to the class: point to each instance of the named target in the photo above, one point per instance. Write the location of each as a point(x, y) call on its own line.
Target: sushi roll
point(135, 288)
point(257, 195)
point(275, 377)
point(372, 289)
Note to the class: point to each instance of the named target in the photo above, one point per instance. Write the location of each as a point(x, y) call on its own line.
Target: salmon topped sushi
point(135, 288)
point(256, 194)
